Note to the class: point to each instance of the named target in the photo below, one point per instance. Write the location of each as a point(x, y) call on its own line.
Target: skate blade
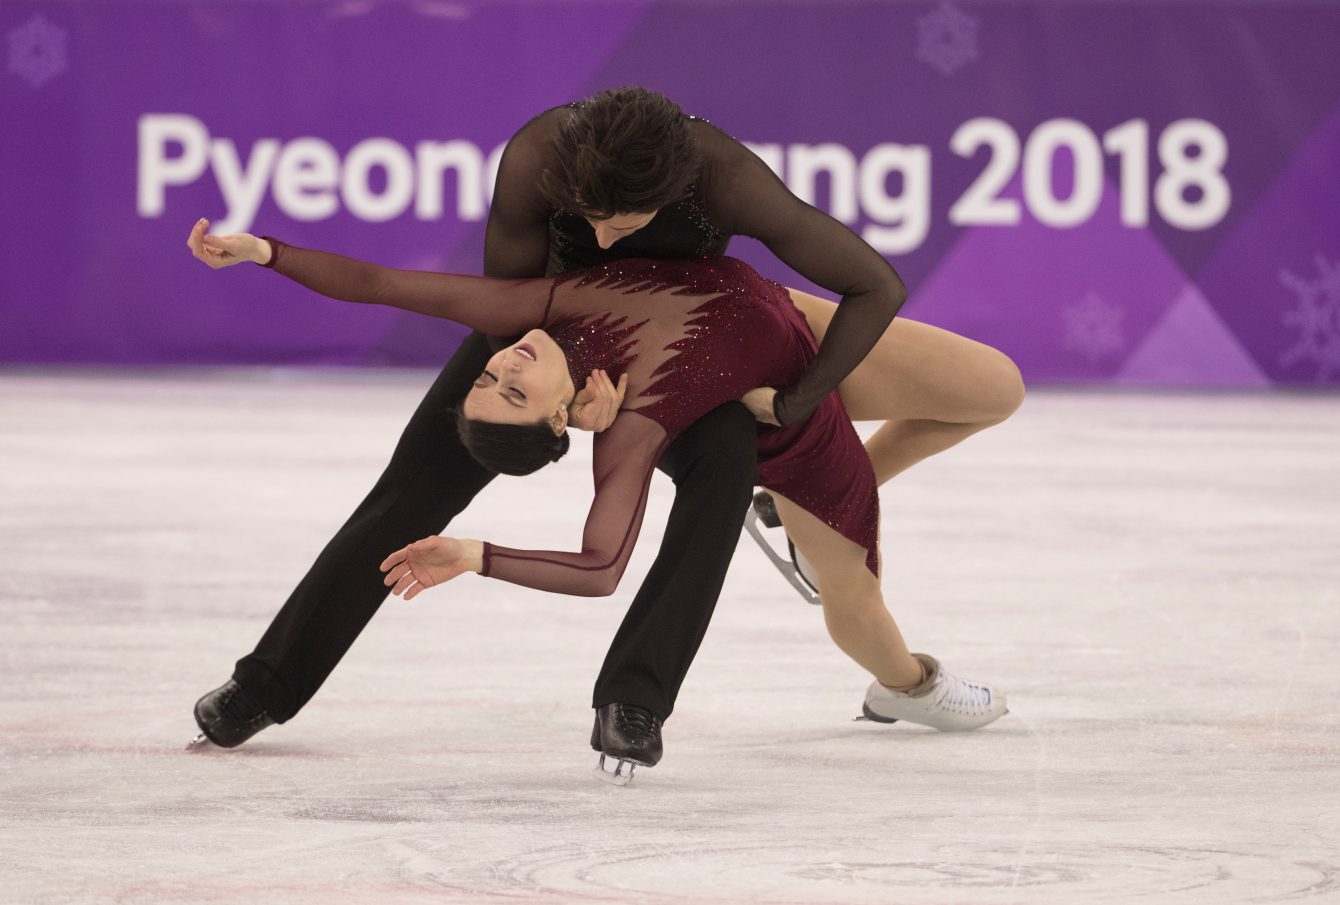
point(869, 716)
point(198, 743)
point(784, 565)
point(622, 774)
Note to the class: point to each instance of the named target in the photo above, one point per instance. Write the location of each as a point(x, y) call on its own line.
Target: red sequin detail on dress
point(695, 334)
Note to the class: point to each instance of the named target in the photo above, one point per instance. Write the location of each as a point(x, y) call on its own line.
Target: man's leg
point(429, 480)
point(713, 465)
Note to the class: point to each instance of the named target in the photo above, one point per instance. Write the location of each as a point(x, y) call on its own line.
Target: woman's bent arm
point(625, 456)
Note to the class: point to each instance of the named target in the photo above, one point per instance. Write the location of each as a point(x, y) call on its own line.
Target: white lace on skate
point(953, 693)
point(942, 701)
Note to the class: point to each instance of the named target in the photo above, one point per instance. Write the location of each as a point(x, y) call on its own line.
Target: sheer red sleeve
point(499, 307)
point(625, 457)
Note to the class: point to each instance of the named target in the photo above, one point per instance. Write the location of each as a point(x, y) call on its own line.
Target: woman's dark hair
point(623, 151)
point(515, 449)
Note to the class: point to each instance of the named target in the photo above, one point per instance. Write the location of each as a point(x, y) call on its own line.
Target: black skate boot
point(794, 568)
point(228, 716)
point(631, 735)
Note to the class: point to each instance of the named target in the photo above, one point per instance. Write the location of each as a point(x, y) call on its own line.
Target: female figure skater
point(682, 337)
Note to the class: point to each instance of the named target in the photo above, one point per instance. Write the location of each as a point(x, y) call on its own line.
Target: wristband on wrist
point(274, 251)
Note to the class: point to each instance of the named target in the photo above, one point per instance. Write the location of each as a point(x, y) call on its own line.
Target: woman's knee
point(1003, 389)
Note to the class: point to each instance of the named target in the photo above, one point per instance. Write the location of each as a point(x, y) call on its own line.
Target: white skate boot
point(942, 701)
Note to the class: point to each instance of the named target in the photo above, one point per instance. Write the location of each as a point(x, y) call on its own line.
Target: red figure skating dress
point(691, 335)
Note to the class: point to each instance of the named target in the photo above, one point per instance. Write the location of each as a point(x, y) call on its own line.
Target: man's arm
point(516, 239)
point(748, 199)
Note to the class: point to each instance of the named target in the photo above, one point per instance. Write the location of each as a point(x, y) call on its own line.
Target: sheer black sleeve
point(748, 199)
point(499, 307)
point(625, 457)
point(516, 239)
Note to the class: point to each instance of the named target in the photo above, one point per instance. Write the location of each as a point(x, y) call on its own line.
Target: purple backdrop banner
point(1140, 192)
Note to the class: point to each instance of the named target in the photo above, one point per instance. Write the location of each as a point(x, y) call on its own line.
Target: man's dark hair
point(515, 449)
point(623, 151)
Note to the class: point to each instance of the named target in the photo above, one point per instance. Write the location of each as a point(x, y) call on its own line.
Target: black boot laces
point(635, 720)
point(241, 707)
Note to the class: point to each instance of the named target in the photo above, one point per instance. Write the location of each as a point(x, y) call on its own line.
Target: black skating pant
point(431, 478)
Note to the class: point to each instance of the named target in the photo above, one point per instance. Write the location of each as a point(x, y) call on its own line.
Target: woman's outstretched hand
point(595, 407)
point(430, 562)
point(225, 251)
point(759, 403)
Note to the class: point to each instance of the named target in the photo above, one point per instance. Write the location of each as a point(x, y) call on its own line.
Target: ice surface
point(1154, 580)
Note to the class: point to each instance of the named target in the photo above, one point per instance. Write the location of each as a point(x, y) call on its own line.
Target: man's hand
point(595, 407)
point(225, 251)
point(759, 403)
point(431, 561)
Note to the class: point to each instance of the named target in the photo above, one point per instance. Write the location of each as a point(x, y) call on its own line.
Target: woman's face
point(612, 229)
point(522, 384)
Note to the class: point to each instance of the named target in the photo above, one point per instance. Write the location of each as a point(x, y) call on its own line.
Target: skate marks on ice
point(1159, 605)
point(543, 832)
point(853, 870)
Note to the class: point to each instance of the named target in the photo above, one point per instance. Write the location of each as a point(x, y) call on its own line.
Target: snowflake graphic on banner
point(1093, 328)
point(37, 50)
point(947, 38)
point(1316, 316)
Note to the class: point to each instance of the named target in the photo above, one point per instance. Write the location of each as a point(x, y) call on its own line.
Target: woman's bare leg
point(854, 610)
point(906, 687)
point(932, 387)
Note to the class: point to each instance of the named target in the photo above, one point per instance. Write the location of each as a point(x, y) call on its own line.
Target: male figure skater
point(624, 174)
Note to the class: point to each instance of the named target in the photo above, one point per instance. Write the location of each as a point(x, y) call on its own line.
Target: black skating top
point(735, 194)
